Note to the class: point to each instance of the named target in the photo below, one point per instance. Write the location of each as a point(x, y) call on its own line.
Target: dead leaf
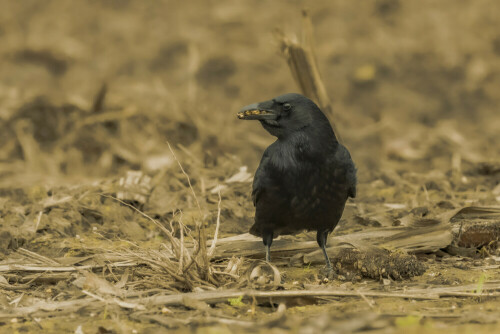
point(93, 282)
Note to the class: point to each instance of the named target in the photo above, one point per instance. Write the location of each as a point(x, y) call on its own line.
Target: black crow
point(304, 177)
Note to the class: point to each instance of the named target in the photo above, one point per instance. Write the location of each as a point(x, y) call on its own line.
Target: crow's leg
point(267, 238)
point(321, 237)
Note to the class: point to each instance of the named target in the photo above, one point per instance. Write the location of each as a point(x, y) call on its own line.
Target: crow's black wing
point(260, 180)
point(343, 158)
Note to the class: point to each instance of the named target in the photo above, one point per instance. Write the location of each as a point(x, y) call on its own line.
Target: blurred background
point(92, 90)
point(90, 87)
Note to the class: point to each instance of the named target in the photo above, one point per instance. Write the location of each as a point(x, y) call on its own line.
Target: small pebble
point(281, 308)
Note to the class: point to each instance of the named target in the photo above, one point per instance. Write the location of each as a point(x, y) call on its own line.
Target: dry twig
point(211, 251)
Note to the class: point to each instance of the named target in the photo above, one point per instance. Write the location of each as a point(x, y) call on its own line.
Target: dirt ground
point(121, 160)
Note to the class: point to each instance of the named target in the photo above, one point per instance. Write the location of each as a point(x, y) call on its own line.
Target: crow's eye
point(287, 106)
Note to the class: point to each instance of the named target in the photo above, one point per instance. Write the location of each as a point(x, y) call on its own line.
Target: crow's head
point(285, 114)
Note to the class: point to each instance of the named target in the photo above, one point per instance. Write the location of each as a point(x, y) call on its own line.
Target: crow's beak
point(257, 111)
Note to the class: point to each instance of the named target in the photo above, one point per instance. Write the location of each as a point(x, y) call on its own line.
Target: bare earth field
point(125, 175)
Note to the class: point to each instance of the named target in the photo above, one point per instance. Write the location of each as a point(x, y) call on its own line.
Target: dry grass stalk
point(114, 300)
point(211, 251)
point(301, 60)
point(37, 256)
point(38, 268)
point(212, 297)
point(201, 249)
point(38, 219)
point(99, 99)
point(181, 256)
point(17, 287)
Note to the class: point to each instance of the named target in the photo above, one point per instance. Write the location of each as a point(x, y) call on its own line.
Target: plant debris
point(125, 179)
